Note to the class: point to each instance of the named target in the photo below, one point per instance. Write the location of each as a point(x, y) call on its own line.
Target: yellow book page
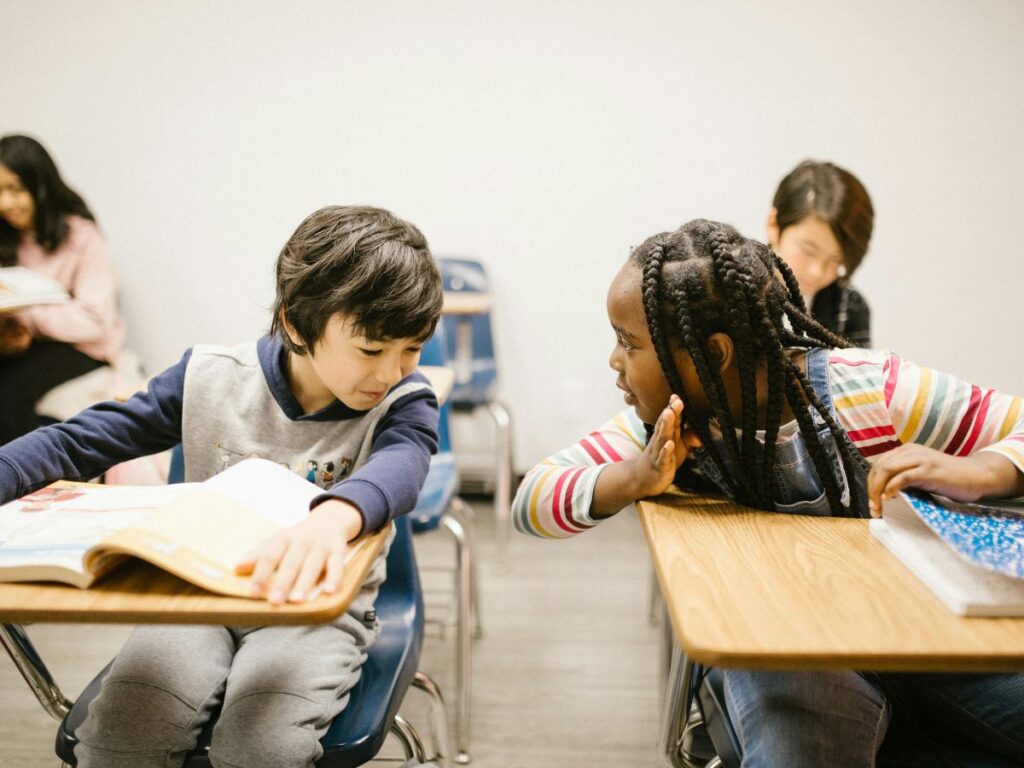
point(198, 537)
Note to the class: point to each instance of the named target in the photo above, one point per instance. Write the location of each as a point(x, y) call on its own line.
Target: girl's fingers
point(667, 456)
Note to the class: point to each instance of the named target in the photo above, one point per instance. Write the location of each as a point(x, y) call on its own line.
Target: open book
point(970, 555)
point(20, 287)
point(76, 532)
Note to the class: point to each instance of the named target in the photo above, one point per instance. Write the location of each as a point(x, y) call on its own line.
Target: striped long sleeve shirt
point(881, 400)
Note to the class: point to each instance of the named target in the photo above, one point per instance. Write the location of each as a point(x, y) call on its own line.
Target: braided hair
point(706, 278)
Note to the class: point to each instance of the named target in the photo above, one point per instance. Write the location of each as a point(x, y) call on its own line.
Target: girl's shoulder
point(82, 232)
point(858, 365)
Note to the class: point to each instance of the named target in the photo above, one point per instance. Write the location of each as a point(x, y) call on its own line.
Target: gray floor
point(565, 675)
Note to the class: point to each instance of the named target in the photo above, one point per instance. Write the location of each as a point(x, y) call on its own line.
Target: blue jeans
point(841, 719)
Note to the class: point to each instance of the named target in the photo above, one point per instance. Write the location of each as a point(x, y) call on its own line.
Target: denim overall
point(799, 490)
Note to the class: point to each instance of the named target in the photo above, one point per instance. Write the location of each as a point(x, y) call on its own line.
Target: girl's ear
point(771, 228)
point(722, 351)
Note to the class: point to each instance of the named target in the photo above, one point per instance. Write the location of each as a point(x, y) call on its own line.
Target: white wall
point(544, 138)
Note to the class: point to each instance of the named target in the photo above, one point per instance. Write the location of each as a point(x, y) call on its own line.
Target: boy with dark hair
point(357, 295)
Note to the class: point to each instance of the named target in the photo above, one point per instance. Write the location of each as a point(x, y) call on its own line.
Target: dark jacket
point(844, 311)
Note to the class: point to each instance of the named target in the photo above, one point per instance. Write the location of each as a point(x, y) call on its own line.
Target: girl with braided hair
point(724, 369)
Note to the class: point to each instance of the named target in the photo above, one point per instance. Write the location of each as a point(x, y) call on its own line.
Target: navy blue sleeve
point(389, 483)
point(88, 444)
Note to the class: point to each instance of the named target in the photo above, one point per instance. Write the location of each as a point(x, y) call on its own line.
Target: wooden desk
point(442, 378)
point(139, 593)
point(751, 589)
point(466, 303)
point(755, 590)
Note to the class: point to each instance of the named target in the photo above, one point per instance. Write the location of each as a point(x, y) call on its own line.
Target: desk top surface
point(752, 589)
point(466, 303)
point(138, 593)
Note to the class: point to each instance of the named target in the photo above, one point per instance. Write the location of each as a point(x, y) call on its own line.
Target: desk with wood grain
point(752, 589)
point(749, 589)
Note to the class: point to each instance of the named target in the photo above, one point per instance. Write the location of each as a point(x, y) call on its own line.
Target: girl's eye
point(371, 352)
point(623, 343)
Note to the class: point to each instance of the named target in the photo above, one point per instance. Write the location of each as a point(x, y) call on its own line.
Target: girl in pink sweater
point(45, 226)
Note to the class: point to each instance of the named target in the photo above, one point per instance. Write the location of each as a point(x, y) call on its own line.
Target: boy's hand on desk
point(961, 478)
point(655, 468)
point(288, 565)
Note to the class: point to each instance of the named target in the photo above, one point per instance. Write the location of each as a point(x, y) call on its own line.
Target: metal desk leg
point(32, 668)
point(676, 714)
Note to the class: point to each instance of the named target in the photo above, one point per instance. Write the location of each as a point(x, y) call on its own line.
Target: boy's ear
point(771, 228)
point(722, 351)
point(288, 329)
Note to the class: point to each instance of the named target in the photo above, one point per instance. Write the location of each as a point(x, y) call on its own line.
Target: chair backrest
point(435, 353)
point(468, 276)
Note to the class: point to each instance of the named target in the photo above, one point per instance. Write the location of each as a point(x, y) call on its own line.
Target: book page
point(55, 526)
point(272, 491)
point(21, 287)
point(201, 535)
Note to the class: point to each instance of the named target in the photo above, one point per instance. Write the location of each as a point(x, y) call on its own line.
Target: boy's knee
point(268, 730)
point(136, 722)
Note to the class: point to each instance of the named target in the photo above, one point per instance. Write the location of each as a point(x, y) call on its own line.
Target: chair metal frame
point(468, 276)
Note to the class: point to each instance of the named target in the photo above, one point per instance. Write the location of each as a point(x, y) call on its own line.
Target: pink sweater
point(90, 321)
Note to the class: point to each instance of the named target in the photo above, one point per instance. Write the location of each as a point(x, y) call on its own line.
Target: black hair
point(54, 200)
point(835, 196)
point(706, 278)
point(365, 263)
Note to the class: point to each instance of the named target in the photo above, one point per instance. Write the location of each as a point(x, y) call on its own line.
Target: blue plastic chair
point(359, 732)
point(470, 349)
point(439, 506)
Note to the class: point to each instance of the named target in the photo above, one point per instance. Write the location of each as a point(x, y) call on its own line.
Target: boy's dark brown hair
point(364, 263)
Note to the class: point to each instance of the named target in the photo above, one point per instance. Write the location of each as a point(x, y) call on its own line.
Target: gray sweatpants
point(280, 688)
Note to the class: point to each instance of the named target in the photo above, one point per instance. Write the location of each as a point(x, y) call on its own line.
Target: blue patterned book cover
point(991, 537)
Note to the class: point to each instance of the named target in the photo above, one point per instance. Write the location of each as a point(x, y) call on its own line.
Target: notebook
point(970, 555)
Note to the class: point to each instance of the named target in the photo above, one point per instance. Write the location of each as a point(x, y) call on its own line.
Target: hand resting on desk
point(960, 478)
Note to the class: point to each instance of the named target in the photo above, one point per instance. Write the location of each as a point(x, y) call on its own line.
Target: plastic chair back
point(469, 276)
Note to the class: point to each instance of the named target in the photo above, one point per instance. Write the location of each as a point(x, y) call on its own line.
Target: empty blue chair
point(359, 732)
point(470, 349)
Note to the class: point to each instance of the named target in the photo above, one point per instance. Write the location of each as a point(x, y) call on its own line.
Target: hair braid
point(735, 283)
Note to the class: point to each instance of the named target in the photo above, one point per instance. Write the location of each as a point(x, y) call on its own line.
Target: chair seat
point(438, 490)
point(358, 733)
point(479, 389)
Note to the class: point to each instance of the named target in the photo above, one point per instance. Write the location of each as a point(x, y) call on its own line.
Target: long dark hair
point(54, 200)
point(706, 278)
point(834, 195)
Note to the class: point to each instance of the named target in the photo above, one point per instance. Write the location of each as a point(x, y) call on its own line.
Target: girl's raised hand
point(667, 449)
